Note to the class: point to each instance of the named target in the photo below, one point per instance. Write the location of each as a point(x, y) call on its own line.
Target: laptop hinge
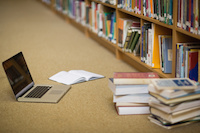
point(24, 90)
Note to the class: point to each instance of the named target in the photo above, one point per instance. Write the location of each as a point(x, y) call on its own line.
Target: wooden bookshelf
point(178, 35)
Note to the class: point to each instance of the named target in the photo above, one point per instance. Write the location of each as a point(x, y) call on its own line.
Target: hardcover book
point(132, 108)
point(178, 116)
point(134, 77)
point(174, 83)
point(120, 89)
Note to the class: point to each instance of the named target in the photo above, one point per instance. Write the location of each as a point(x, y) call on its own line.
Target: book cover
point(120, 31)
point(128, 38)
point(134, 77)
point(170, 94)
point(199, 66)
point(174, 83)
point(135, 40)
point(167, 54)
point(193, 65)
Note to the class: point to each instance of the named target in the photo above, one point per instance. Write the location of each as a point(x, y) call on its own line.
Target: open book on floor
point(74, 76)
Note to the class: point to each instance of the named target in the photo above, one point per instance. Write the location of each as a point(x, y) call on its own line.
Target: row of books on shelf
point(161, 10)
point(100, 19)
point(187, 60)
point(168, 103)
point(129, 35)
point(156, 48)
point(188, 15)
point(130, 5)
point(155, 43)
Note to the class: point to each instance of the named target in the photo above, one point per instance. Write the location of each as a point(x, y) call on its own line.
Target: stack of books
point(130, 91)
point(174, 102)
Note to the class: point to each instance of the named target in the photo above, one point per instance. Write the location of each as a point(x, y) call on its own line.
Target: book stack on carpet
point(130, 91)
point(174, 102)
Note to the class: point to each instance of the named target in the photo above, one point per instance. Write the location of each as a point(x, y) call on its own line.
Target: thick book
point(163, 123)
point(135, 98)
point(132, 108)
point(167, 54)
point(174, 83)
point(155, 103)
point(74, 76)
point(178, 116)
point(175, 100)
point(193, 65)
point(120, 89)
point(134, 77)
point(173, 93)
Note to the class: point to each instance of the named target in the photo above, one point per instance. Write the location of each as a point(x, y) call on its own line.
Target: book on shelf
point(165, 53)
point(135, 98)
point(193, 65)
point(172, 93)
point(134, 77)
point(182, 57)
point(155, 103)
point(165, 124)
point(199, 66)
point(177, 116)
point(144, 43)
point(132, 108)
point(136, 51)
point(74, 76)
point(155, 48)
point(123, 26)
point(124, 89)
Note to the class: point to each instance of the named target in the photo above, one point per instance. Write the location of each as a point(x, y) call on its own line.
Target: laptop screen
point(17, 73)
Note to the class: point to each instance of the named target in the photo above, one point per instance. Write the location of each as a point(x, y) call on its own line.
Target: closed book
point(199, 66)
point(175, 100)
point(136, 98)
point(155, 103)
point(134, 109)
point(167, 54)
point(157, 30)
point(135, 40)
point(173, 93)
point(134, 77)
point(193, 65)
point(174, 83)
point(163, 123)
point(123, 89)
point(178, 116)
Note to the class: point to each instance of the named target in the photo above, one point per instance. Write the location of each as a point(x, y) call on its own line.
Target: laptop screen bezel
point(28, 86)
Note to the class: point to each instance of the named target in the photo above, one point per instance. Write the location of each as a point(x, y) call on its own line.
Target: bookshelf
point(179, 35)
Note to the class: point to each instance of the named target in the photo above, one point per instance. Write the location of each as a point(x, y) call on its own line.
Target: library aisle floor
point(51, 45)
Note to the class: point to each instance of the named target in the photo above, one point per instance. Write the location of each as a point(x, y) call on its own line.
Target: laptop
point(23, 86)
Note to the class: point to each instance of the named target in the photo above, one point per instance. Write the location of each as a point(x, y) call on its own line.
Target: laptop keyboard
point(38, 92)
